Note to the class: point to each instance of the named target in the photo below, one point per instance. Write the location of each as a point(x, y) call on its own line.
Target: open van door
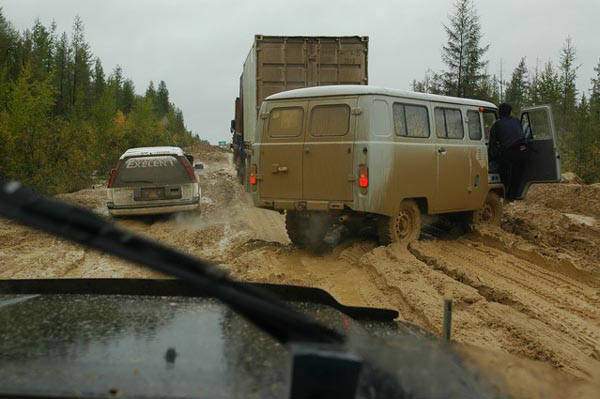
point(543, 164)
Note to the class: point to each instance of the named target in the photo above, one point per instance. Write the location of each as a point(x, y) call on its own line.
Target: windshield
point(367, 179)
point(160, 169)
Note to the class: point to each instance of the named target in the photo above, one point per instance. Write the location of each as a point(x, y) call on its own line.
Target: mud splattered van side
point(363, 154)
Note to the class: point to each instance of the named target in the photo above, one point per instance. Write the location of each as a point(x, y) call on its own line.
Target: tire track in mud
point(571, 330)
point(508, 294)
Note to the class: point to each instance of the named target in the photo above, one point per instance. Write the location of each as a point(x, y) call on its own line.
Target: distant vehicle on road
point(153, 180)
point(362, 154)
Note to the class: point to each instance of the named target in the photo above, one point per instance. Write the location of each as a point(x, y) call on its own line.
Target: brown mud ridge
point(529, 290)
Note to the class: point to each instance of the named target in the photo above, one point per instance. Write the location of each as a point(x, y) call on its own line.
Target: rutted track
point(516, 289)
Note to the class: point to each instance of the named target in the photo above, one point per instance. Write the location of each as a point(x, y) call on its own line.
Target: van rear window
point(151, 170)
point(411, 120)
point(286, 122)
point(330, 120)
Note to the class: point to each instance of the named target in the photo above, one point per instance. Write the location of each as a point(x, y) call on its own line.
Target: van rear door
point(327, 153)
point(543, 163)
point(280, 169)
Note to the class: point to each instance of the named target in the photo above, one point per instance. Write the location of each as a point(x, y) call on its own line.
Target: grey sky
point(198, 47)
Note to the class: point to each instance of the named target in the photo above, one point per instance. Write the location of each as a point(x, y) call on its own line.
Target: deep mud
point(528, 290)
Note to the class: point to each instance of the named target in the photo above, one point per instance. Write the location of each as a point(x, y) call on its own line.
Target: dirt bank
point(529, 289)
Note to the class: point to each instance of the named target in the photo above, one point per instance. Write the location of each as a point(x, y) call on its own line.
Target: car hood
point(154, 338)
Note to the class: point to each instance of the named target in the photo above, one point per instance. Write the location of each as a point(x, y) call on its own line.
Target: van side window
point(449, 123)
point(286, 122)
point(330, 120)
point(411, 120)
point(474, 124)
point(381, 118)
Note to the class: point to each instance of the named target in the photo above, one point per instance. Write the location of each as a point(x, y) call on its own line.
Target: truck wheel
point(490, 212)
point(294, 228)
point(403, 228)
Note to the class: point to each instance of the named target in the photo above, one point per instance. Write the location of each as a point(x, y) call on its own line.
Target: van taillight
point(113, 174)
point(189, 169)
point(363, 176)
point(253, 174)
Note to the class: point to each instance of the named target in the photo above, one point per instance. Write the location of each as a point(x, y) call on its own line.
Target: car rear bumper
point(154, 209)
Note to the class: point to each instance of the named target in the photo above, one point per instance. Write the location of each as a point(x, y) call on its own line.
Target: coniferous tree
point(595, 92)
point(127, 96)
point(81, 66)
point(162, 99)
point(63, 64)
point(99, 80)
point(568, 75)
point(463, 52)
point(151, 92)
point(42, 43)
point(516, 92)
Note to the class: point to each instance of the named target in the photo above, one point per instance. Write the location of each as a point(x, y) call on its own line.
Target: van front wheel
point(403, 228)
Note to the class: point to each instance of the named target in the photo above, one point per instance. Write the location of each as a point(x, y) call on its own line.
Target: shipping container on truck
point(279, 63)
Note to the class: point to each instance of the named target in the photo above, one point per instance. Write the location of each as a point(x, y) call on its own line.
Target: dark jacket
point(506, 133)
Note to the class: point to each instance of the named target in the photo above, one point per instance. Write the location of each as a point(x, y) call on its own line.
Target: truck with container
point(279, 63)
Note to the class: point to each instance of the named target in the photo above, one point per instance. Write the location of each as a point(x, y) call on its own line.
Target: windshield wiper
point(84, 227)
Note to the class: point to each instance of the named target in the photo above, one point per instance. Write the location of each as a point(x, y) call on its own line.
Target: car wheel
point(403, 228)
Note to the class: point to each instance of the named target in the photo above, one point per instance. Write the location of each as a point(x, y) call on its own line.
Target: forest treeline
point(576, 113)
point(63, 119)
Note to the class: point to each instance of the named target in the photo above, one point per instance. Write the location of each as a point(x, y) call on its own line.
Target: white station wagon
point(153, 180)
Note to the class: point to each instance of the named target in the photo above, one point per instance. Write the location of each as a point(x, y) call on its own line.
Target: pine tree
point(127, 96)
point(99, 80)
point(81, 93)
point(63, 65)
point(516, 92)
point(151, 92)
point(595, 92)
point(568, 75)
point(42, 51)
point(162, 99)
point(463, 52)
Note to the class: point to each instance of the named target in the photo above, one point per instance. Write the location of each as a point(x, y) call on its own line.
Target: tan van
point(363, 154)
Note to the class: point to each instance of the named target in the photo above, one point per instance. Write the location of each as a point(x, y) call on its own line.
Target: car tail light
point(113, 174)
point(363, 176)
point(189, 169)
point(253, 174)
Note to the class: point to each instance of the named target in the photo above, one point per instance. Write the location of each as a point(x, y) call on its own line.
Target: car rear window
point(151, 170)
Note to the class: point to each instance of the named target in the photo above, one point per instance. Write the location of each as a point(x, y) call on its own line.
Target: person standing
point(508, 147)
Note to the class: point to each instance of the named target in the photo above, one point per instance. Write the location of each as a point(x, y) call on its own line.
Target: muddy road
point(529, 288)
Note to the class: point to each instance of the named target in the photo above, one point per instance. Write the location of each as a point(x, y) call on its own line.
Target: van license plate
point(149, 194)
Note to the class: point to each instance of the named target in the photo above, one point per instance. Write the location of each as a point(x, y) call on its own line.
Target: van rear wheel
point(403, 228)
point(308, 229)
point(490, 212)
point(294, 228)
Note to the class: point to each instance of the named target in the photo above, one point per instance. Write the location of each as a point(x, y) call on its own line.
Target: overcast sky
point(198, 47)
